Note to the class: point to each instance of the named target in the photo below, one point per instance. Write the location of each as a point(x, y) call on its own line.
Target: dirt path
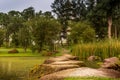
point(82, 72)
point(69, 66)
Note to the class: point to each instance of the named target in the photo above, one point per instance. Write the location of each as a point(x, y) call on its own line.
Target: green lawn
point(4, 53)
point(90, 78)
point(20, 55)
point(15, 68)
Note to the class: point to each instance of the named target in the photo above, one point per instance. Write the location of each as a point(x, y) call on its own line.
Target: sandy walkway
point(82, 72)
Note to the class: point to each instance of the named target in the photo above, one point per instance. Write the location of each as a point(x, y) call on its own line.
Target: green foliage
point(82, 32)
point(4, 21)
point(103, 49)
point(66, 10)
point(2, 33)
point(103, 14)
point(69, 9)
point(15, 22)
point(24, 37)
point(45, 31)
point(28, 13)
point(33, 48)
point(15, 41)
point(12, 28)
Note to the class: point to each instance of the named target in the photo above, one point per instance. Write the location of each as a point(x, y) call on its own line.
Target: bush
point(13, 51)
point(49, 53)
point(33, 48)
point(81, 32)
point(46, 53)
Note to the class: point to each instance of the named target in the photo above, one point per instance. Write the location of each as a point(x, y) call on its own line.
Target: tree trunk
point(109, 27)
point(40, 47)
point(115, 32)
point(25, 49)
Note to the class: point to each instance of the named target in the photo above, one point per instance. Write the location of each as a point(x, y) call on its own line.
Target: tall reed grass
point(103, 49)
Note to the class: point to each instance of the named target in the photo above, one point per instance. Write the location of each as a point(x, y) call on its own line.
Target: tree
point(45, 31)
point(99, 23)
point(24, 37)
point(16, 22)
point(48, 14)
point(14, 13)
point(116, 20)
point(2, 33)
point(28, 13)
point(81, 32)
point(106, 8)
point(4, 21)
point(69, 10)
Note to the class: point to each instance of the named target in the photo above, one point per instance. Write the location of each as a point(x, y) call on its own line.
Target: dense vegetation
point(86, 19)
point(103, 49)
point(28, 29)
point(87, 27)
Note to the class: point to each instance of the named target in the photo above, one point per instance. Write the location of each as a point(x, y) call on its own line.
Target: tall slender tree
point(14, 25)
point(69, 10)
point(24, 37)
point(2, 33)
point(107, 9)
point(4, 21)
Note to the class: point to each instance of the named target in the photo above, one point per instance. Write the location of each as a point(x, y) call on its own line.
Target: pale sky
point(20, 5)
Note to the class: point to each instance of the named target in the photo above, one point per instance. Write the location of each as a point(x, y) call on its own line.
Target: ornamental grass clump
point(103, 49)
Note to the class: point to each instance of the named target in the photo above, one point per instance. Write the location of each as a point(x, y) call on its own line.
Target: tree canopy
point(87, 19)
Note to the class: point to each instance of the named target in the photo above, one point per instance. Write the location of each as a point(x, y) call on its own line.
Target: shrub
point(13, 51)
point(46, 53)
point(81, 32)
point(104, 49)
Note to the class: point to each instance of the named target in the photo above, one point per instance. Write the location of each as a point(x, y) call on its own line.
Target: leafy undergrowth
point(89, 78)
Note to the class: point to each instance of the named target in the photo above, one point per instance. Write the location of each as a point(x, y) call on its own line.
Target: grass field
point(15, 68)
point(28, 53)
point(90, 78)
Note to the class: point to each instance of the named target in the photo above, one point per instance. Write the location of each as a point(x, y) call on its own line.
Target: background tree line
point(88, 20)
point(28, 28)
point(103, 15)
